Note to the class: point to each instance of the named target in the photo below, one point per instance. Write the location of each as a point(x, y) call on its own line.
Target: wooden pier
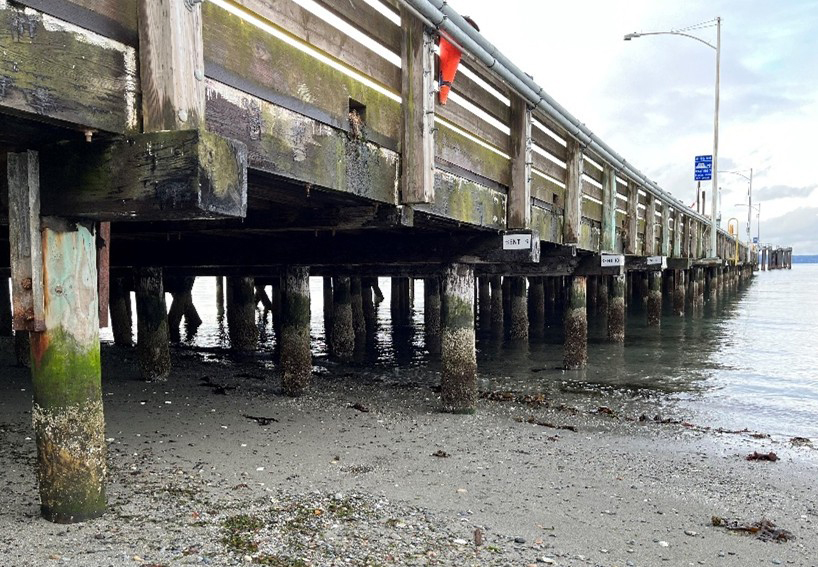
point(151, 141)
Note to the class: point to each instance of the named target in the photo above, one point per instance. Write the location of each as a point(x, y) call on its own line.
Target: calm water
point(748, 361)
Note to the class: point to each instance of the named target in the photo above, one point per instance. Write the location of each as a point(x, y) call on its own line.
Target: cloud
point(782, 191)
point(796, 229)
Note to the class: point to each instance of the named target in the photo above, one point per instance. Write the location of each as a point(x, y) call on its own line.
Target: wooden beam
point(24, 242)
point(665, 230)
point(632, 218)
point(60, 73)
point(519, 193)
point(171, 65)
point(608, 209)
point(186, 174)
point(103, 271)
point(650, 226)
point(573, 193)
point(678, 233)
point(417, 132)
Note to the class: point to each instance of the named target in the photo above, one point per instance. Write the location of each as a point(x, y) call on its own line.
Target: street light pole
point(714, 227)
point(713, 222)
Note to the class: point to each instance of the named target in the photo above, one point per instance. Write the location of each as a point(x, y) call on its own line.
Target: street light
point(749, 203)
point(717, 48)
point(757, 209)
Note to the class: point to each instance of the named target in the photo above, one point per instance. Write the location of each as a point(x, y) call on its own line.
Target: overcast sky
point(652, 99)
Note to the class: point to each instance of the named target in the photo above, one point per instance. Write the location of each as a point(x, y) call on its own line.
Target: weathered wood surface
point(468, 202)
point(171, 65)
point(573, 194)
point(519, 193)
point(25, 242)
point(367, 19)
point(115, 19)
point(103, 271)
point(417, 119)
point(185, 174)
point(56, 71)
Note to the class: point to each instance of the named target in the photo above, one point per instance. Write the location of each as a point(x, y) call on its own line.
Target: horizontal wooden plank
point(456, 148)
point(474, 125)
point(295, 147)
point(183, 174)
point(260, 60)
point(481, 98)
point(591, 190)
point(308, 27)
point(367, 19)
point(547, 166)
point(465, 201)
point(549, 144)
point(486, 76)
point(592, 171)
point(547, 223)
point(57, 71)
point(547, 191)
point(591, 210)
point(114, 19)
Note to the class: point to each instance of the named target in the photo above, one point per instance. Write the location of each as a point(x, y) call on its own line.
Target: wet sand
point(193, 480)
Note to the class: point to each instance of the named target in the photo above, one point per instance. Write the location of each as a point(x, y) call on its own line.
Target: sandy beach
point(217, 467)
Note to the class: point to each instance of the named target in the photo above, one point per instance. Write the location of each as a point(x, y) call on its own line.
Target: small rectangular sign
point(516, 242)
point(609, 260)
point(655, 260)
point(703, 168)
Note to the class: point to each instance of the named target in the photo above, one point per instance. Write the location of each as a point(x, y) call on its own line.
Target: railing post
point(677, 234)
point(519, 193)
point(665, 229)
point(650, 226)
point(573, 193)
point(608, 208)
point(632, 217)
point(418, 108)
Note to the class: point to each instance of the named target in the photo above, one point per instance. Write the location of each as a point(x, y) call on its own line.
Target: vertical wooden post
point(632, 243)
point(654, 298)
point(458, 384)
point(357, 305)
point(417, 93)
point(171, 65)
point(536, 305)
point(68, 419)
point(329, 307)
point(518, 329)
point(573, 193)
point(576, 326)
point(550, 284)
point(432, 313)
point(519, 193)
point(342, 339)
point(665, 229)
point(241, 314)
point(484, 302)
point(368, 303)
point(679, 293)
point(591, 288)
point(602, 294)
point(616, 310)
point(121, 317)
point(650, 226)
point(152, 325)
point(497, 303)
point(220, 297)
point(608, 209)
point(5, 308)
point(296, 357)
point(25, 241)
point(103, 271)
point(678, 233)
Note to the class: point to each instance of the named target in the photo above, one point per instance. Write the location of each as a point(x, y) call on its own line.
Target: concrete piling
point(603, 293)
point(241, 314)
point(518, 324)
point(616, 310)
point(368, 303)
point(497, 317)
point(458, 354)
point(432, 306)
point(119, 304)
point(152, 325)
point(69, 425)
point(536, 305)
point(357, 304)
point(576, 326)
point(296, 357)
point(342, 338)
point(654, 301)
point(679, 293)
point(220, 297)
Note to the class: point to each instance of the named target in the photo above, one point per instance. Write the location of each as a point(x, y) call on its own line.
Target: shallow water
point(749, 361)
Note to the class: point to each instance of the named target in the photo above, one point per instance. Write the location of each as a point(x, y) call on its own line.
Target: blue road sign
point(703, 168)
point(755, 240)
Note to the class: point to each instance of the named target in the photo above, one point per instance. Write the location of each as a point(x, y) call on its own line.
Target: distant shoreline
point(805, 259)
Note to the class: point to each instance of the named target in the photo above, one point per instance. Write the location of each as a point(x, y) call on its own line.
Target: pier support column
point(655, 298)
point(432, 313)
point(484, 302)
point(536, 305)
point(182, 306)
point(592, 284)
point(69, 425)
point(5, 308)
point(342, 338)
point(220, 297)
point(121, 316)
point(357, 304)
point(679, 293)
point(519, 308)
point(296, 357)
point(550, 285)
point(506, 286)
point(401, 301)
point(644, 288)
point(152, 325)
point(603, 293)
point(616, 310)
point(241, 314)
point(368, 303)
point(458, 386)
point(576, 326)
point(329, 308)
point(497, 317)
